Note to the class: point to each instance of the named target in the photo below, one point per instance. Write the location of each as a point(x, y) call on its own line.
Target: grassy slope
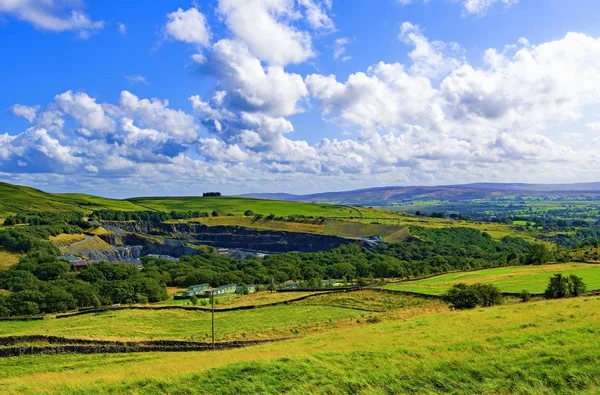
point(237, 206)
point(317, 313)
point(510, 279)
point(8, 259)
point(392, 233)
point(542, 347)
point(16, 199)
point(64, 240)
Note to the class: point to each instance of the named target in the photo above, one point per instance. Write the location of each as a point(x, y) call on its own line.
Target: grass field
point(509, 279)
point(533, 348)
point(277, 321)
point(237, 206)
point(8, 259)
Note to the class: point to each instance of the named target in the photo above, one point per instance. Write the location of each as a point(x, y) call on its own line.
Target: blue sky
point(300, 96)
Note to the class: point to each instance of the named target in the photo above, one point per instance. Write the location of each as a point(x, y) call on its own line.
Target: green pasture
point(543, 347)
point(534, 279)
point(238, 205)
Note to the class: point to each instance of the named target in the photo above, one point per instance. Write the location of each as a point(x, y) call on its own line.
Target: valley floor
point(530, 348)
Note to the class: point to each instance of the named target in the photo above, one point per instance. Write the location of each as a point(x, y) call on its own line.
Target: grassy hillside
point(15, 199)
point(509, 279)
point(340, 220)
point(237, 206)
point(298, 318)
point(534, 348)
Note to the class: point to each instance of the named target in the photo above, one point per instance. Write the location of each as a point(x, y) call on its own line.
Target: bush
point(248, 213)
point(194, 300)
point(562, 286)
point(215, 213)
point(525, 296)
point(463, 296)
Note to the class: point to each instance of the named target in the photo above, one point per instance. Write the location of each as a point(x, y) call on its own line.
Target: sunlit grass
point(8, 259)
point(541, 347)
point(509, 279)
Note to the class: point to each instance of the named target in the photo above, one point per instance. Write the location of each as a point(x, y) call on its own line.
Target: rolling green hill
point(16, 199)
point(339, 220)
point(238, 205)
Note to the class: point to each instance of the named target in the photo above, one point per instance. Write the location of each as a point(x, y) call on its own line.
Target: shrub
point(525, 296)
point(576, 285)
point(463, 296)
point(562, 286)
point(248, 213)
point(215, 213)
point(194, 300)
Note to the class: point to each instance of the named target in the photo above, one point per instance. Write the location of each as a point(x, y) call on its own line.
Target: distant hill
point(16, 199)
point(384, 196)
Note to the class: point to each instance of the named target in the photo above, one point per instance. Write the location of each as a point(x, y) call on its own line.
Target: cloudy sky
point(298, 96)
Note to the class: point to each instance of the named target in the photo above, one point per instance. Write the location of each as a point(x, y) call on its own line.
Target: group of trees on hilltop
point(207, 194)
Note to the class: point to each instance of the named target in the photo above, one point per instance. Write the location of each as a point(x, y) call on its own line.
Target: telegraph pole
point(212, 298)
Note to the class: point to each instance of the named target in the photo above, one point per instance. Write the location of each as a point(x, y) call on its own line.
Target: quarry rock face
point(223, 236)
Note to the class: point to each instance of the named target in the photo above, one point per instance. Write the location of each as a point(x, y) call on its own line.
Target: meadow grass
point(534, 279)
point(90, 243)
point(531, 348)
point(321, 311)
point(238, 205)
point(8, 259)
point(15, 199)
point(65, 240)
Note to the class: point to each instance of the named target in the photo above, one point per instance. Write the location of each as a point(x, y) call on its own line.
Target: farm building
point(289, 285)
point(76, 262)
point(196, 289)
point(240, 289)
point(225, 289)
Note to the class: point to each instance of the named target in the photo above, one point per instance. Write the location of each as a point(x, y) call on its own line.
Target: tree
point(562, 286)
point(489, 295)
point(525, 296)
point(461, 296)
point(194, 300)
point(245, 290)
point(215, 213)
point(248, 213)
point(576, 285)
point(539, 253)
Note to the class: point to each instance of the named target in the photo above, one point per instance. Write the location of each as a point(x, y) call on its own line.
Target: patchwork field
point(533, 348)
point(509, 279)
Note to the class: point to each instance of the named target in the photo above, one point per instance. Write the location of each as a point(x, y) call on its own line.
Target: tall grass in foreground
point(544, 347)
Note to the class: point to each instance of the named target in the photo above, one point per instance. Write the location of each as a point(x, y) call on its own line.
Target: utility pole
point(212, 298)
